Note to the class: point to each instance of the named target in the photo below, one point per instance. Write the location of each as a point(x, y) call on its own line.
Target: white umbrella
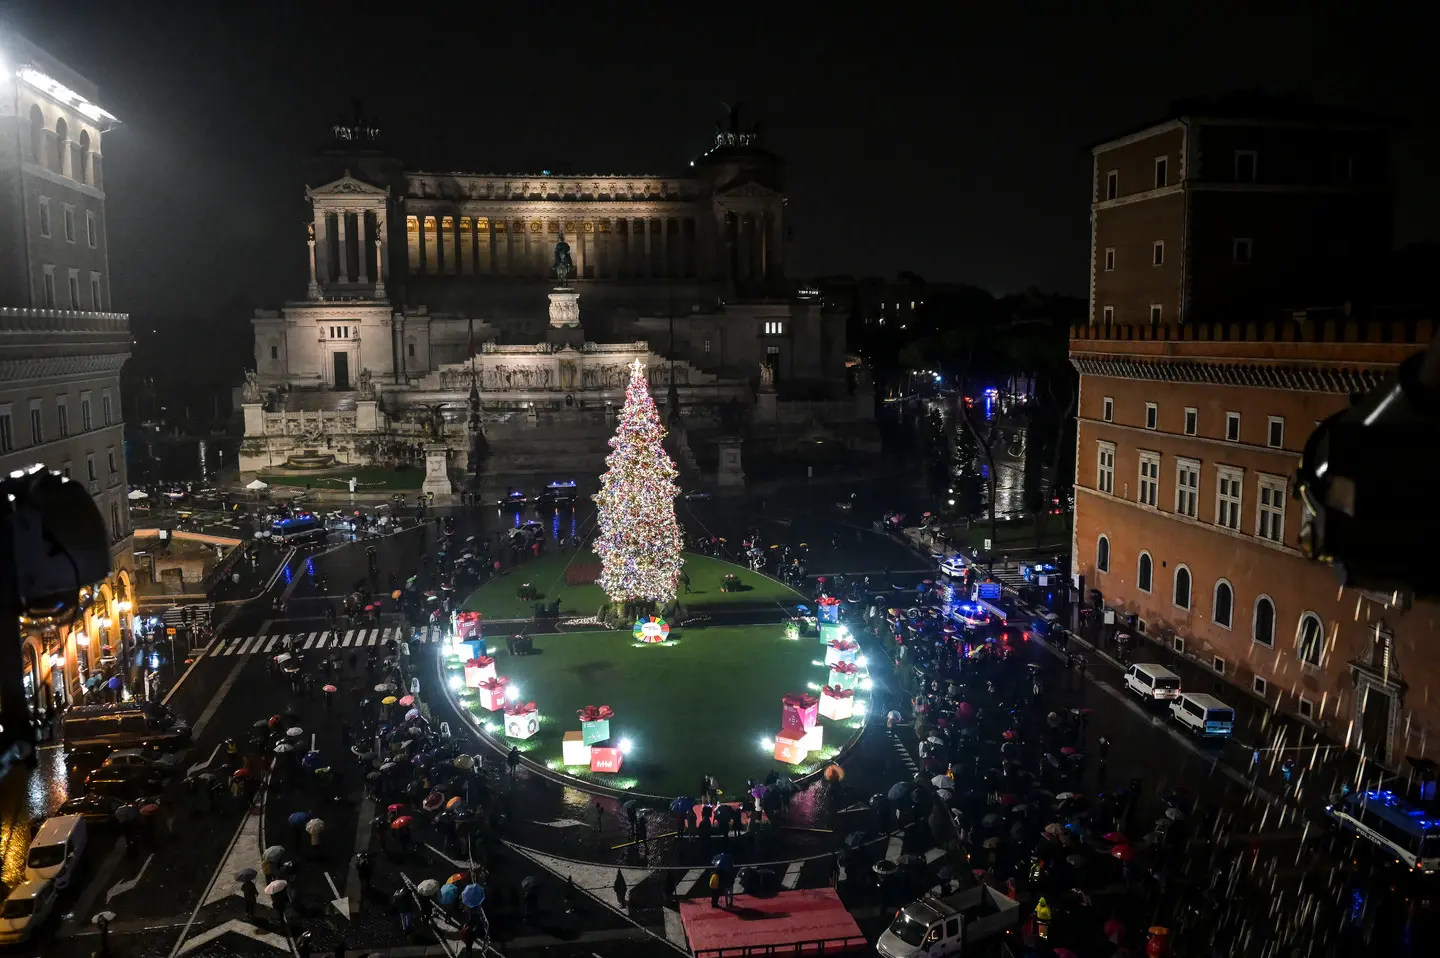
point(942, 781)
point(276, 886)
point(138, 494)
point(255, 485)
point(427, 888)
point(295, 732)
point(315, 826)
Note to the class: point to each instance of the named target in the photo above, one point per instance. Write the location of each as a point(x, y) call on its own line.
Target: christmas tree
point(639, 541)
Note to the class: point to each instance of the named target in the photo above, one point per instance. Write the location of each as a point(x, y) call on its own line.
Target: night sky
point(949, 144)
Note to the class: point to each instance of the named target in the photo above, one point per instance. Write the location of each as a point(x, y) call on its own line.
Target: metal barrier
point(816, 946)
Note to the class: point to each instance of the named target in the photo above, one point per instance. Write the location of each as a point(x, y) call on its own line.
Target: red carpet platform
point(798, 921)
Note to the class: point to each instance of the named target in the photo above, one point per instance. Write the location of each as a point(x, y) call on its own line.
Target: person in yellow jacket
point(1042, 910)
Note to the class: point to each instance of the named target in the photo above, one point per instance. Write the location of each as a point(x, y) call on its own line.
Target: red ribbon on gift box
point(843, 645)
point(845, 668)
point(835, 692)
point(521, 708)
point(595, 713)
point(495, 684)
point(828, 600)
point(799, 700)
point(482, 662)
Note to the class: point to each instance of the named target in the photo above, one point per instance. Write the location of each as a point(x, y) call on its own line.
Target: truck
point(955, 924)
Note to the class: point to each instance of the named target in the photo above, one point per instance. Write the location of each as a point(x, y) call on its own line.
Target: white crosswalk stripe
point(272, 643)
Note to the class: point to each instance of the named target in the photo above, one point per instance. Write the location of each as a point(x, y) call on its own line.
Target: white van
point(25, 910)
point(56, 850)
point(1153, 683)
point(1203, 714)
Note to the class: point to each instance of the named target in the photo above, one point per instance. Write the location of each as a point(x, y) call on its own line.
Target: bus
point(1394, 826)
point(300, 528)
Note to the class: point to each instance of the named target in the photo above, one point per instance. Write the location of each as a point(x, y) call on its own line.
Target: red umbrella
point(1069, 750)
point(396, 809)
point(965, 709)
point(1122, 852)
point(407, 700)
point(330, 688)
point(1008, 735)
point(275, 720)
point(241, 773)
point(1115, 838)
point(433, 801)
point(402, 822)
point(1007, 799)
point(149, 809)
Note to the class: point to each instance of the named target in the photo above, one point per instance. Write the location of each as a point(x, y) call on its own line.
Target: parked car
point(161, 763)
point(27, 908)
point(125, 784)
point(95, 808)
point(699, 495)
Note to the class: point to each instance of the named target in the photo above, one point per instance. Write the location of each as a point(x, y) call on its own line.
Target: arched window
point(62, 143)
point(1145, 572)
point(82, 169)
point(37, 136)
point(1182, 587)
point(1310, 639)
point(1224, 604)
point(1263, 628)
point(1102, 554)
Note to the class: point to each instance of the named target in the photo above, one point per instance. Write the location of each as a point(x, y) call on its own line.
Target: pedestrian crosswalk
point(274, 643)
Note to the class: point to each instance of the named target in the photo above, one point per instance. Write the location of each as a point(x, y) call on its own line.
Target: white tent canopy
point(255, 485)
point(139, 494)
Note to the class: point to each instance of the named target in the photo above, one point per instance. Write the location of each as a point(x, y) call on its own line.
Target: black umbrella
point(898, 791)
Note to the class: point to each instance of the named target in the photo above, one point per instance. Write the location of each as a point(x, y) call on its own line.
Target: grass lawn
point(368, 479)
point(498, 598)
point(698, 704)
point(1013, 534)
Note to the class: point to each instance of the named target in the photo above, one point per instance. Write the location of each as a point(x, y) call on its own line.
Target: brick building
point(1188, 442)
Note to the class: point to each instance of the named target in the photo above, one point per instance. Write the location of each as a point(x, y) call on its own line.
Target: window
point(1112, 184)
point(1187, 487)
point(1224, 608)
point(1149, 478)
point(1102, 554)
point(90, 467)
point(67, 217)
point(1262, 625)
point(1178, 644)
point(105, 408)
point(1218, 664)
point(85, 423)
point(7, 432)
point(1162, 170)
point(45, 216)
point(1232, 427)
point(73, 281)
point(1156, 312)
point(1246, 166)
point(47, 278)
point(92, 231)
point(1107, 409)
point(707, 346)
point(96, 297)
point(1259, 686)
point(1307, 708)
point(1342, 167)
point(1157, 253)
point(1270, 508)
point(1276, 435)
point(409, 350)
point(1144, 572)
point(1109, 313)
point(1181, 593)
point(1109, 258)
point(1310, 639)
point(773, 351)
point(115, 527)
point(1192, 420)
point(1241, 249)
point(776, 328)
point(1152, 415)
point(1105, 467)
point(1228, 496)
point(110, 461)
point(37, 425)
point(62, 417)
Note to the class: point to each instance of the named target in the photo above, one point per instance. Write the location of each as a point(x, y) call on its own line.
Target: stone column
point(649, 263)
point(364, 249)
point(665, 246)
point(65, 165)
point(742, 230)
point(322, 245)
point(313, 291)
point(424, 252)
point(775, 266)
point(340, 232)
point(382, 249)
point(580, 247)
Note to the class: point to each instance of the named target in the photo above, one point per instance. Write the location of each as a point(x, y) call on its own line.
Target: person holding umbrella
point(246, 878)
point(279, 899)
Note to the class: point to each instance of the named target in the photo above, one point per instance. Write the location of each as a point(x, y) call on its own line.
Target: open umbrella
point(898, 791)
point(1116, 838)
point(276, 887)
point(1122, 852)
point(942, 781)
point(114, 682)
point(401, 823)
point(329, 688)
point(432, 801)
point(1174, 814)
point(407, 700)
point(246, 874)
point(314, 827)
point(449, 894)
point(273, 854)
point(473, 896)
point(284, 747)
point(385, 687)
point(294, 731)
point(398, 808)
point(682, 805)
point(149, 809)
point(411, 715)
point(454, 802)
point(127, 813)
point(298, 818)
point(427, 888)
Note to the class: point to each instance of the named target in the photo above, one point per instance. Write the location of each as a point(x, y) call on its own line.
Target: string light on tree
point(639, 541)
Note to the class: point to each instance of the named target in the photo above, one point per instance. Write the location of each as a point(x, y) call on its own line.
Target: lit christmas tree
point(639, 541)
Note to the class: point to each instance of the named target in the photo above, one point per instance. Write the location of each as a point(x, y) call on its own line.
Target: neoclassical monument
point(495, 314)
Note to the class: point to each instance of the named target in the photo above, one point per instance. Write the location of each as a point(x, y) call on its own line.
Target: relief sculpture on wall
point(567, 374)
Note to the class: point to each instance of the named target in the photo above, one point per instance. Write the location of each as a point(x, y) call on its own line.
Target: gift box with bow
point(831, 631)
point(827, 609)
point(467, 626)
point(492, 693)
point(478, 670)
point(798, 711)
point(837, 704)
point(522, 720)
point(844, 675)
point(595, 723)
point(605, 758)
point(789, 746)
point(841, 650)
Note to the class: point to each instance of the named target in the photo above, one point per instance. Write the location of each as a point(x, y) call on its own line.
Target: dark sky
point(935, 138)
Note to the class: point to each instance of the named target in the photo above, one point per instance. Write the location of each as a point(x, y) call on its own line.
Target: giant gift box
point(837, 704)
point(467, 626)
point(478, 670)
point(828, 609)
point(575, 751)
point(841, 650)
point(814, 739)
point(492, 693)
point(595, 723)
point(605, 758)
point(830, 631)
point(789, 747)
point(522, 720)
point(844, 674)
point(798, 711)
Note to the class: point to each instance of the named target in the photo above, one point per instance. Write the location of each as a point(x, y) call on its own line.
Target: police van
point(1395, 827)
point(1203, 714)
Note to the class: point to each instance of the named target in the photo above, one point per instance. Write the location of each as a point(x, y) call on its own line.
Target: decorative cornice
point(56, 367)
point(1295, 378)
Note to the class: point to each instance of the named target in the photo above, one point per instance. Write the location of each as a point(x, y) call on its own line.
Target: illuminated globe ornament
point(651, 630)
